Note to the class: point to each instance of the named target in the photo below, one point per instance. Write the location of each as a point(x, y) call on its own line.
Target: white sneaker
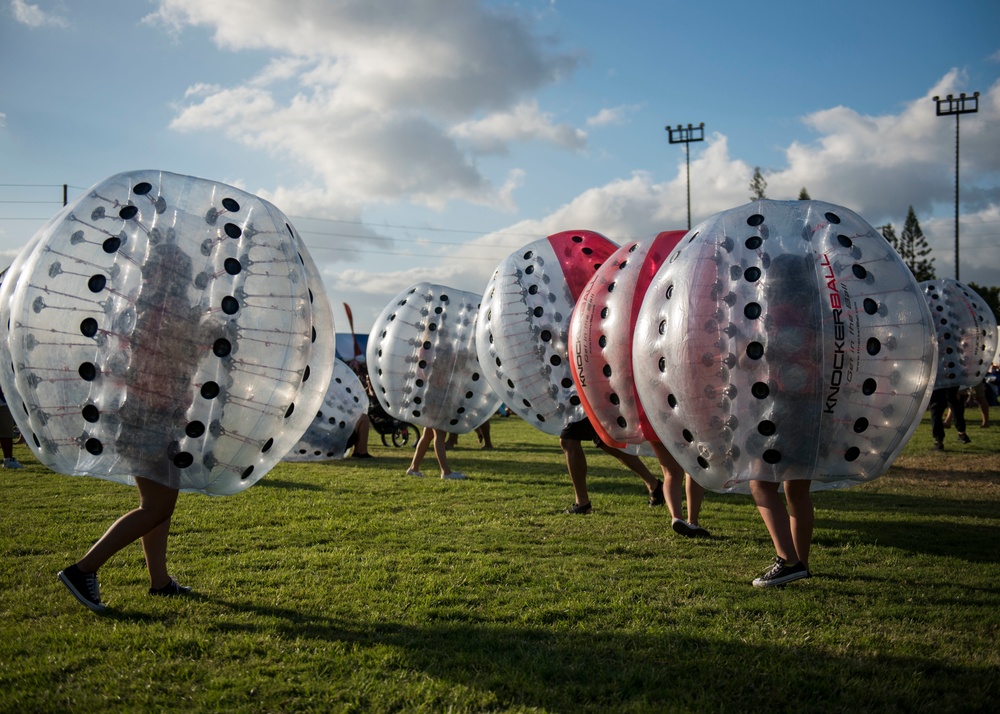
point(414, 472)
point(12, 463)
point(454, 476)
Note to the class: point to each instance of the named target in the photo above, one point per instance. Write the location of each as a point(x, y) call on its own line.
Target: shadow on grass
point(292, 485)
point(573, 671)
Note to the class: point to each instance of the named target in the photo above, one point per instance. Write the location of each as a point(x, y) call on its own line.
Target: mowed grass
point(346, 586)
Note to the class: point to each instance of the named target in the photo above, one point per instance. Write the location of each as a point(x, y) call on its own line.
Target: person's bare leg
point(772, 510)
point(441, 451)
point(576, 464)
point(801, 517)
point(423, 443)
point(154, 547)
point(484, 435)
point(156, 505)
point(695, 495)
point(673, 479)
point(363, 427)
point(634, 463)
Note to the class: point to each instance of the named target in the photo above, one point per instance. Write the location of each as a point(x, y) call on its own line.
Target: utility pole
point(946, 107)
point(685, 135)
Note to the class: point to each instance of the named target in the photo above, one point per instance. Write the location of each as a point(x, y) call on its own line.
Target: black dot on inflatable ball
point(230, 204)
point(566, 383)
point(752, 311)
point(755, 350)
point(475, 376)
point(306, 373)
point(142, 188)
point(662, 364)
point(210, 390)
point(871, 307)
point(669, 292)
point(88, 371)
point(529, 270)
point(868, 387)
point(128, 212)
point(703, 462)
point(771, 456)
point(246, 473)
point(688, 436)
point(873, 346)
point(766, 428)
point(621, 422)
point(662, 328)
point(606, 370)
point(577, 239)
point(574, 401)
point(852, 453)
point(755, 220)
point(671, 401)
point(291, 408)
point(614, 399)
point(845, 241)
point(469, 395)
point(752, 274)
point(537, 312)
point(860, 426)
point(753, 242)
point(833, 218)
point(555, 360)
point(112, 244)
point(94, 446)
point(88, 328)
point(222, 347)
point(194, 429)
point(546, 335)
point(859, 271)
point(604, 313)
point(232, 266)
point(230, 305)
point(183, 460)
point(416, 412)
point(96, 283)
point(453, 422)
point(267, 446)
point(760, 390)
point(91, 413)
point(533, 290)
point(232, 230)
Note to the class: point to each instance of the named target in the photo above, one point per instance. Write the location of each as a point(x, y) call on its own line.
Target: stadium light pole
point(945, 108)
point(685, 135)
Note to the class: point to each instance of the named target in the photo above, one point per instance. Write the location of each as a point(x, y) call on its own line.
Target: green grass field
point(347, 586)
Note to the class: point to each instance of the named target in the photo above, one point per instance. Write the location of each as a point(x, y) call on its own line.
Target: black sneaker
point(938, 446)
point(963, 438)
point(682, 527)
point(656, 498)
point(578, 508)
point(170, 589)
point(780, 573)
point(84, 587)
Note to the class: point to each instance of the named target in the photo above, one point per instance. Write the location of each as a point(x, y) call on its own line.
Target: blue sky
point(414, 141)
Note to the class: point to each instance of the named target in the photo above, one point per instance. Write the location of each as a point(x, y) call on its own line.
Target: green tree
point(757, 185)
point(804, 195)
point(913, 249)
point(991, 296)
point(889, 233)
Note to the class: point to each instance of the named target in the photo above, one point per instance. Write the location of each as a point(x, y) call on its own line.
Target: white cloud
point(525, 122)
point(377, 89)
point(34, 16)
point(613, 115)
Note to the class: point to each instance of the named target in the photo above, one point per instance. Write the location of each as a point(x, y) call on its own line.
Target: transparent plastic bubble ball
point(784, 340)
point(523, 329)
point(966, 332)
point(327, 436)
point(166, 327)
point(600, 339)
point(422, 360)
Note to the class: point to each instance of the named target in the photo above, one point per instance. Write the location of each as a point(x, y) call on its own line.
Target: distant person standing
point(8, 433)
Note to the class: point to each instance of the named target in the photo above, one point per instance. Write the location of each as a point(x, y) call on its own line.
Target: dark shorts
point(581, 430)
point(8, 429)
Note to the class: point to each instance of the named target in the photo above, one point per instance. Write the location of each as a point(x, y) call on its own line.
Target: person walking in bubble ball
point(438, 437)
point(165, 320)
